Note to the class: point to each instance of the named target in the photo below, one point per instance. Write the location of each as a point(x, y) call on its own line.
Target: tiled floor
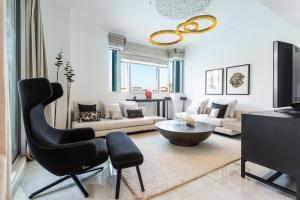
point(225, 183)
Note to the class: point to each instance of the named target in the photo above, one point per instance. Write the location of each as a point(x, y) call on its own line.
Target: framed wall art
point(238, 80)
point(214, 82)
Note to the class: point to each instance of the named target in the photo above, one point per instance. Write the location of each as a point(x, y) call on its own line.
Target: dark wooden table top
point(179, 126)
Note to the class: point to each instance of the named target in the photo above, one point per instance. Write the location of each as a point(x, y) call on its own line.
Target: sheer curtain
point(5, 158)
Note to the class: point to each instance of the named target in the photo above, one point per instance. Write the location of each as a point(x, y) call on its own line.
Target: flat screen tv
point(286, 75)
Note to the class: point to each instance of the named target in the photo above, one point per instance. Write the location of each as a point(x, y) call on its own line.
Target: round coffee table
point(180, 134)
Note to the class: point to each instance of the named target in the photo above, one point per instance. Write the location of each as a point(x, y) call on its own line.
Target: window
point(128, 75)
point(164, 79)
point(136, 77)
point(143, 77)
point(12, 52)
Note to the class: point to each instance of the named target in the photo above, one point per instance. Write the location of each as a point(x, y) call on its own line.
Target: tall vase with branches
point(58, 64)
point(69, 76)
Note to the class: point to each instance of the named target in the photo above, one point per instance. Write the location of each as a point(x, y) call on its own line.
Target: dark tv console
point(272, 139)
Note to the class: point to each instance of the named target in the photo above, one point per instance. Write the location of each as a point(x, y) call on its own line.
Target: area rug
point(167, 166)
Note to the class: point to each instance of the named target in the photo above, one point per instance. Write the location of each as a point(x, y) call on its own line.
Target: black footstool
point(123, 154)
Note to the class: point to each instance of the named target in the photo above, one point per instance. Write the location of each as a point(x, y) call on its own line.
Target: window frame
point(157, 66)
point(16, 122)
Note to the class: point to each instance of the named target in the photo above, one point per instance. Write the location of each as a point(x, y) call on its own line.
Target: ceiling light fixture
point(181, 9)
point(166, 32)
point(197, 18)
point(194, 24)
point(186, 29)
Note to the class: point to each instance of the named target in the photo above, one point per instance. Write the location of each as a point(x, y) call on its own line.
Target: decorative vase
point(148, 94)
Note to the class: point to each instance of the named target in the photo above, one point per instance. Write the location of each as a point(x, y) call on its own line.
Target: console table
point(158, 104)
point(272, 139)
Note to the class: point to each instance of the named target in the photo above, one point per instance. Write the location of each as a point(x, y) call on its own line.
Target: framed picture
point(238, 80)
point(214, 82)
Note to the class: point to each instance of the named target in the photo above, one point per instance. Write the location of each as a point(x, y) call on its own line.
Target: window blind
point(145, 54)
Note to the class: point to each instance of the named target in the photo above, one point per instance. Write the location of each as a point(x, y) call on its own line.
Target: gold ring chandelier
point(186, 30)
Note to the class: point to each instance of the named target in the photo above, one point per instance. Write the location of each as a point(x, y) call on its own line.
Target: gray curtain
point(36, 59)
point(36, 62)
point(35, 56)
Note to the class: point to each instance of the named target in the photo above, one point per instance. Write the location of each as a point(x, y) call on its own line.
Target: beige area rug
point(167, 166)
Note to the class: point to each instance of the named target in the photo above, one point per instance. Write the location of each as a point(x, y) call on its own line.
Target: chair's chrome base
point(74, 177)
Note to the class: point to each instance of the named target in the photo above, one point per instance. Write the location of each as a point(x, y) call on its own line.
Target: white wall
point(86, 45)
point(56, 23)
point(90, 59)
point(250, 44)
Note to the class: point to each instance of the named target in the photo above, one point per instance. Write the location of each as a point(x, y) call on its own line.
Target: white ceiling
point(137, 19)
point(288, 9)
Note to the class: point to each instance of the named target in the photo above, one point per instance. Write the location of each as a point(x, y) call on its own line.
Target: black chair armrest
point(78, 135)
point(70, 158)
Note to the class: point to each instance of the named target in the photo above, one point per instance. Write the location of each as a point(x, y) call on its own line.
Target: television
point(286, 75)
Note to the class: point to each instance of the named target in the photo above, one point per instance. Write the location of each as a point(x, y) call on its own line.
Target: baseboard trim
point(17, 172)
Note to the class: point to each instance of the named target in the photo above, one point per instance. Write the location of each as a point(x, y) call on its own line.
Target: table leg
point(158, 108)
point(164, 109)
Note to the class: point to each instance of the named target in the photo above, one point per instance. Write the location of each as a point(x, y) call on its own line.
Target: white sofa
point(105, 126)
point(228, 126)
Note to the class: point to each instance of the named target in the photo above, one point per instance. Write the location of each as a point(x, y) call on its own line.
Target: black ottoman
point(123, 154)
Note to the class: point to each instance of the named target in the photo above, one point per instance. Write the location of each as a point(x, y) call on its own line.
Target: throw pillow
point(87, 108)
point(222, 109)
point(109, 107)
point(123, 103)
point(203, 107)
point(115, 114)
point(130, 107)
point(194, 107)
point(232, 109)
point(135, 113)
point(89, 116)
point(214, 112)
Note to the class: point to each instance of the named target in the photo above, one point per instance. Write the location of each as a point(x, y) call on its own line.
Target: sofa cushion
point(138, 113)
point(124, 104)
point(108, 107)
point(76, 108)
point(89, 116)
point(116, 114)
point(87, 108)
point(230, 108)
point(214, 113)
point(215, 121)
point(206, 119)
point(222, 109)
point(130, 107)
point(109, 124)
point(197, 106)
point(194, 107)
point(203, 106)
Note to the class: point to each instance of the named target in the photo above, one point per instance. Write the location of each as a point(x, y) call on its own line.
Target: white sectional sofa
point(230, 125)
point(105, 126)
